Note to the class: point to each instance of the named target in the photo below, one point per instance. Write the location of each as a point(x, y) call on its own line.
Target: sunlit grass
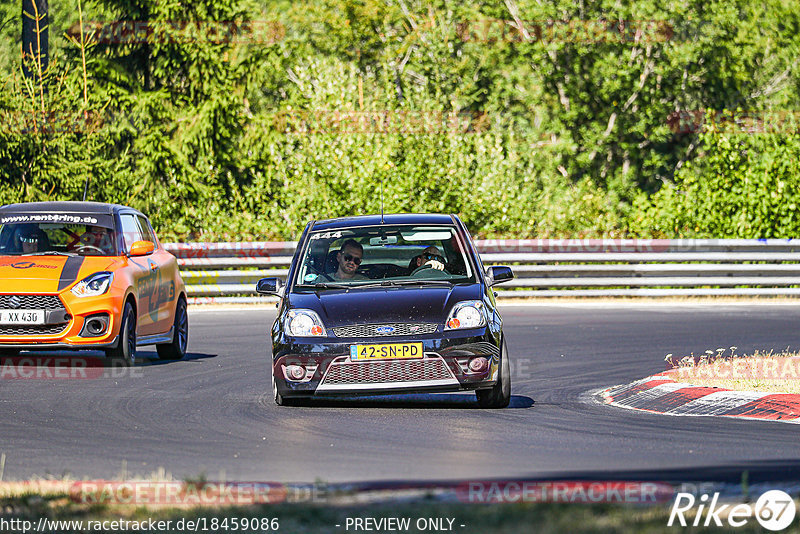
point(762, 371)
point(318, 518)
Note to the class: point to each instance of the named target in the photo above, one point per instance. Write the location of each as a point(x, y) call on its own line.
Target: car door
point(162, 304)
point(145, 274)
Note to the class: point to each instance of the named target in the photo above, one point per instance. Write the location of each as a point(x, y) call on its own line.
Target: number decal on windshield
point(327, 235)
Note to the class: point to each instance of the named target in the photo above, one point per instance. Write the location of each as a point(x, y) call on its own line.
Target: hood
point(424, 304)
point(49, 274)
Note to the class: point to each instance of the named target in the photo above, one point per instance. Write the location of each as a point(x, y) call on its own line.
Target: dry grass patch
point(762, 371)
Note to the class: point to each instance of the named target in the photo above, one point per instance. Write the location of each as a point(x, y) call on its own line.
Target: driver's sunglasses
point(354, 259)
point(436, 257)
point(29, 239)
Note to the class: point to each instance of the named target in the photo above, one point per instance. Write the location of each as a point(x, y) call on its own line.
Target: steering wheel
point(81, 248)
point(426, 271)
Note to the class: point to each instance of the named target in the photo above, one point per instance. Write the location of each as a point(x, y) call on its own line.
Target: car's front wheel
point(125, 351)
point(176, 349)
point(280, 400)
point(500, 395)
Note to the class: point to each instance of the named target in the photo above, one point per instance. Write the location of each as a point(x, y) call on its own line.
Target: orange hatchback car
point(86, 275)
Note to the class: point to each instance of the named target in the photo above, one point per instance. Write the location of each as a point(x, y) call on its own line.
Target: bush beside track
point(217, 138)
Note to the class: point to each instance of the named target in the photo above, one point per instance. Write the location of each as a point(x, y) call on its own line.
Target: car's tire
point(277, 397)
point(125, 351)
point(176, 349)
point(280, 400)
point(500, 395)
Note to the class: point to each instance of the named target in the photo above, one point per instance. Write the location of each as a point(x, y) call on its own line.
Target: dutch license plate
point(21, 316)
point(388, 351)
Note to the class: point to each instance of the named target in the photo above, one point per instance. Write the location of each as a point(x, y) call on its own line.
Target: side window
point(455, 256)
point(130, 230)
point(470, 246)
point(147, 230)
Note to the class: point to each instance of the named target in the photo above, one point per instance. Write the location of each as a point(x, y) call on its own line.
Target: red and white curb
point(662, 394)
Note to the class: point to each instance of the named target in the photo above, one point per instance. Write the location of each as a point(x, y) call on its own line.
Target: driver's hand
point(433, 264)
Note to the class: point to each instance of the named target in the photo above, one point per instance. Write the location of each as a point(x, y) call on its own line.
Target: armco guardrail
point(227, 272)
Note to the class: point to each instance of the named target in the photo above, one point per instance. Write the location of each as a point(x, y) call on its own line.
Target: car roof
point(375, 220)
point(67, 206)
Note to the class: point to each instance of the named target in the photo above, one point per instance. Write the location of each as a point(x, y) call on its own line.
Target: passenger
point(349, 258)
point(96, 237)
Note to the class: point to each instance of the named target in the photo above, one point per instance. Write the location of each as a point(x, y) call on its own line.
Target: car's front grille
point(30, 302)
point(481, 348)
point(385, 330)
point(378, 372)
point(32, 329)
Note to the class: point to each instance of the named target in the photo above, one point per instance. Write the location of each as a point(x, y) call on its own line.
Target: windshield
point(39, 238)
point(386, 255)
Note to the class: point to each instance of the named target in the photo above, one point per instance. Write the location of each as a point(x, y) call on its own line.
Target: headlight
point(467, 314)
point(304, 323)
point(93, 285)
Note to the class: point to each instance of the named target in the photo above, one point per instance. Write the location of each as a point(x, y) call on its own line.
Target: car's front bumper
point(69, 333)
point(330, 370)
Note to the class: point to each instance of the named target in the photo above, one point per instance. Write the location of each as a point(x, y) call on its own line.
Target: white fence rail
point(227, 272)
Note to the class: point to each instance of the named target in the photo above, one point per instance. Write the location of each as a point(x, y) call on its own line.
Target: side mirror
point(270, 286)
point(497, 274)
point(142, 248)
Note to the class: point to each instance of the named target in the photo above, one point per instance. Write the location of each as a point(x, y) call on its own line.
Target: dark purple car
point(388, 304)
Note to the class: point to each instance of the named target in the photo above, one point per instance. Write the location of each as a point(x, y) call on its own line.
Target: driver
point(31, 240)
point(430, 258)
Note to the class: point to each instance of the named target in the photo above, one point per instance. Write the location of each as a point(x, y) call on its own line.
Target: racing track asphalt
point(212, 413)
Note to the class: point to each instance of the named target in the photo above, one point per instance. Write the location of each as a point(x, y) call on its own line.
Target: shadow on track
point(90, 359)
point(190, 357)
point(437, 401)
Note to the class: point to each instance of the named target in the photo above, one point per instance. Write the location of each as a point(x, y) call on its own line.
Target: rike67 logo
point(774, 510)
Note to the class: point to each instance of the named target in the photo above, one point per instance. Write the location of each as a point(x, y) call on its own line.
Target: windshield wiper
point(383, 283)
point(389, 283)
point(52, 253)
point(326, 285)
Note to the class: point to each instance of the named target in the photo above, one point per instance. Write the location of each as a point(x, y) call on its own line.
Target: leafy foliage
point(744, 186)
point(528, 119)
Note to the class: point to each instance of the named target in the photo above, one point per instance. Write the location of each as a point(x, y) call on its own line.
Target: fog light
point(295, 372)
point(476, 365)
point(95, 325)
